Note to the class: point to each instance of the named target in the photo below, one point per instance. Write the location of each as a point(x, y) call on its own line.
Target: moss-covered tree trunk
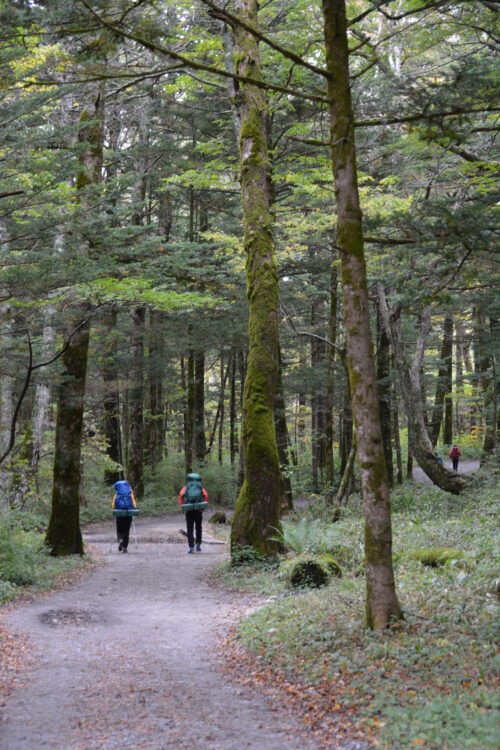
point(381, 601)
point(63, 533)
point(443, 386)
point(257, 510)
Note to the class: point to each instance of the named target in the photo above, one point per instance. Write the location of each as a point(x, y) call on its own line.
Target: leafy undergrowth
point(428, 682)
point(25, 563)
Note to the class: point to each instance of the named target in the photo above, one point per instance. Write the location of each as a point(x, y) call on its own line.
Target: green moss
point(436, 557)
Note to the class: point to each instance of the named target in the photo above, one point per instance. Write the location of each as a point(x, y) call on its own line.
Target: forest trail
point(465, 467)
point(128, 657)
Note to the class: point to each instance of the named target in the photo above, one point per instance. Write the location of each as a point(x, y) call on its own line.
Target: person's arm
point(181, 495)
point(459, 453)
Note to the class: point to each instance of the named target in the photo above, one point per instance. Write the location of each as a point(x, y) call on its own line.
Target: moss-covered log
point(381, 601)
point(257, 510)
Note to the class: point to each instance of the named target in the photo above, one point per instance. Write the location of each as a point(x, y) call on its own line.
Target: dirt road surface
point(127, 658)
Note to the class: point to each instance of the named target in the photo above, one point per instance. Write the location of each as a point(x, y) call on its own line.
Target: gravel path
point(127, 658)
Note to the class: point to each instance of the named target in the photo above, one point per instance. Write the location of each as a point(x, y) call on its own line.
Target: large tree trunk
point(112, 428)
point(443, 387)
point(419, 443)
point(257, 511)
point(136, 402)
point(63, 533)
point(381, 601)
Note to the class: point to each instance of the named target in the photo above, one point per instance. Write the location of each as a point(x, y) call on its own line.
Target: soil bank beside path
point(126, 658)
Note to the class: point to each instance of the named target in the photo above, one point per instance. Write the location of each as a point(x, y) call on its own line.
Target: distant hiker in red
point(124, 508)
point(193, 500)
point(455, 454)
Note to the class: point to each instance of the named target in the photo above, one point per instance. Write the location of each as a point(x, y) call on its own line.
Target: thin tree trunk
point(200, 443)
point(381, 601)
point(6, 415)
point(397, 440)
point(136, 402)
point(232, 409)
point(189, 421)
point(344, 483)
point(384, 395)
point(257, 511)
point(223, 376)
point(282, 443)
point(329, 463)
point(112, 428)
point(443, 385)
point(63, 533)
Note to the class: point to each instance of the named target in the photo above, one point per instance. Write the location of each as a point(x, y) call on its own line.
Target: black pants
point(123, 524)
point(194, 517)
point(454, 461)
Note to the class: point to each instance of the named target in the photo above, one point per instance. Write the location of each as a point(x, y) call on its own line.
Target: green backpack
point(193, 496)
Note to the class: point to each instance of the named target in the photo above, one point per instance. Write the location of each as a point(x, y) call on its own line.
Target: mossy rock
point(218, 517)
point(436, 557)
point(331, 564)
point(308, 573)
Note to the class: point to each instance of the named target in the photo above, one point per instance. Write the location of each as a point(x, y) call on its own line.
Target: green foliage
point(24, 559)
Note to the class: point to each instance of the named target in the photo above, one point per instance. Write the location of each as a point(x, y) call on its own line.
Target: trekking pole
point(135, 534)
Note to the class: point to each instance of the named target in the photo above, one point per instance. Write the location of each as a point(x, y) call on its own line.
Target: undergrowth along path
point(127, 657)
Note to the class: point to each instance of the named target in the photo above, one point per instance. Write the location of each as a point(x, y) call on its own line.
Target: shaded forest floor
point(150, 650)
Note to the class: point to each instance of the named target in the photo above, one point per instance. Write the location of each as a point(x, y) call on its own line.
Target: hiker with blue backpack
point(124, 509)
point(193, 500)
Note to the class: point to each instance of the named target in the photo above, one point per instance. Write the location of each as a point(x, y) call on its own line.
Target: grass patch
point(25, 562)
point(432, 680)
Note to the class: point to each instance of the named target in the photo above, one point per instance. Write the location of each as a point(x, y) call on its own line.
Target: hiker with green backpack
point(193, 500)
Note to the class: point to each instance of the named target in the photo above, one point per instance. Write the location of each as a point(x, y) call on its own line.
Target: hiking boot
point(120, 546)
point(125, 549)
point(198, 548)
point(190, 550)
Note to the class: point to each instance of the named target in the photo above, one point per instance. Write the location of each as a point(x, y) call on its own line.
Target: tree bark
point(257, 511)
point(63, 532)
point(189, 411)
point(381, 601)
point(232, 410)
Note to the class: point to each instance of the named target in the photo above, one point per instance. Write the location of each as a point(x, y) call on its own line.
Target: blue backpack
point(123, 500)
